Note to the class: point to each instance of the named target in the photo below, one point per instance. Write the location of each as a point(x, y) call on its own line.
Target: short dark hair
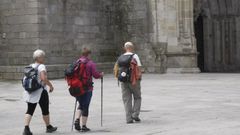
point(86, 51)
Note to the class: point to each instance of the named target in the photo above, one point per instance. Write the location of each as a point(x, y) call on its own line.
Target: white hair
point(38, 53)
point(128, 45)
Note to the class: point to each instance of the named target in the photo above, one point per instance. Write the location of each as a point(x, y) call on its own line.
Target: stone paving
point(173, 104)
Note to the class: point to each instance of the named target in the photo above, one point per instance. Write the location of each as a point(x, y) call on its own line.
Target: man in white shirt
point(128, 90)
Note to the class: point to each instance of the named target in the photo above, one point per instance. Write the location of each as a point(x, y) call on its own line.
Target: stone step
point(3, 48)
point(19, 54)
point(22, 48)
point(20, 61)
point(54, 71)
point(3, 61)
point(107, 58)
point(106, 67)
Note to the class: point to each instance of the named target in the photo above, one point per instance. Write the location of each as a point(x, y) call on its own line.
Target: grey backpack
point(30, 80)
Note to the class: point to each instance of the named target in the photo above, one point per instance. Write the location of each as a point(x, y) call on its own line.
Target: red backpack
point(77, 78)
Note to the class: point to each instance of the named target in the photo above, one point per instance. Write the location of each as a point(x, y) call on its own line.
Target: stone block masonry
point(63, 27)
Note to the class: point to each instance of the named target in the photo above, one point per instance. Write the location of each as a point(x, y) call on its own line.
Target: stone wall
point(160, 29)
point(176, 30)
point(135, 23)
point(218, 37)
point(182, 57)
point(19, 35)
point(60, 27)
point(68, 25)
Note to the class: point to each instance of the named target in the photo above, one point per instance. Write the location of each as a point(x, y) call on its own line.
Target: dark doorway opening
point(198, 26)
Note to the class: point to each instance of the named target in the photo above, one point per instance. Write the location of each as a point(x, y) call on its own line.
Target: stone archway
point(219, 41)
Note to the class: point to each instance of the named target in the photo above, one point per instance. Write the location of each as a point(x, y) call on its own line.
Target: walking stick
point(101, 101)
point(74, 114)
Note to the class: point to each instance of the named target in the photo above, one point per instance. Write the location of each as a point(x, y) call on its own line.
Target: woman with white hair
point(39, 96)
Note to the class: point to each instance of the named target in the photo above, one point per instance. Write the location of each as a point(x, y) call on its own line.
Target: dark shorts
point(43, 102)
point(84, 102)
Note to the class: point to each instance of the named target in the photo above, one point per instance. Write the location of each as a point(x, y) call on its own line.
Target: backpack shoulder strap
point(132, 55)
point(36, 68)
point(81, 62)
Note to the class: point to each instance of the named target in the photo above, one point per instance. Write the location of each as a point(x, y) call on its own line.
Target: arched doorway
point(198, 26)
point(218, 35)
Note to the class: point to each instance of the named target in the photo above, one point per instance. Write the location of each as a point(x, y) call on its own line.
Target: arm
point(43, 77)
point(142, 69)
point(139, 63)
point(115, 70)
point(95, 73)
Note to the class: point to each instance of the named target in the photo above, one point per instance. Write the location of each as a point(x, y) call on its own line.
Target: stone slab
point(173, 104)
point(55, 71)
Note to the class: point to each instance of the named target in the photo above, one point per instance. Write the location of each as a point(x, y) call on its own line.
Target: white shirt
point(135, 56)
point(35, 96)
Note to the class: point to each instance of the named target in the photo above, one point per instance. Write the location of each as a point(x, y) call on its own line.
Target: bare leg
point(84, 120)
point(27, 119)
point(46, 119)
point(78, 114)
point(77, 120)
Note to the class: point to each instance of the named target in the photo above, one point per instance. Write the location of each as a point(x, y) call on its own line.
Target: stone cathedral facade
point(162, 31)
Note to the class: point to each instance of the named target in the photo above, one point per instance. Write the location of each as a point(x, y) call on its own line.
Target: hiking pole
point(74, 114)
point(101, 101)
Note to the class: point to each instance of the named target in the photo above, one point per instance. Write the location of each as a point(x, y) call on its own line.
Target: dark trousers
point(43, 102)
point(84, 102)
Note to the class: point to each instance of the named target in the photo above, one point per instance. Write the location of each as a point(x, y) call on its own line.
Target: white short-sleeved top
point(35, 96)
point(135, 56)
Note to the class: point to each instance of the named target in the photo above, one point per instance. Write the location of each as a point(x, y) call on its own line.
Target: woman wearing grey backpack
point(40, 95)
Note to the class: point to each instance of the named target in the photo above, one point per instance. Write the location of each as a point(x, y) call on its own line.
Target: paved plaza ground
point(173, 104)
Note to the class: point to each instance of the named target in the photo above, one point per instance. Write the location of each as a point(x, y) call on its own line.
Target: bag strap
point(132, 56)
point(79, 62)
point(36, 68)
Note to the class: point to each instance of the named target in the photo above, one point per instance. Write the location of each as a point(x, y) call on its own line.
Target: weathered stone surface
point(217, 26)
point(63, 27)
point(173, 104)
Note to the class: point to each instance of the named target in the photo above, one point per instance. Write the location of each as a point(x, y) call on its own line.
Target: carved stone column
point(158, 33)
point(183, 56)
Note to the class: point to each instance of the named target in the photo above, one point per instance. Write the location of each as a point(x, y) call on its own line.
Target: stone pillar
point(158, 13)
point(182, 57)
point(158, 33)
point(143, 23)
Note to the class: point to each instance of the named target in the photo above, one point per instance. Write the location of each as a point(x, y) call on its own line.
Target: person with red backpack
point(79, 77)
